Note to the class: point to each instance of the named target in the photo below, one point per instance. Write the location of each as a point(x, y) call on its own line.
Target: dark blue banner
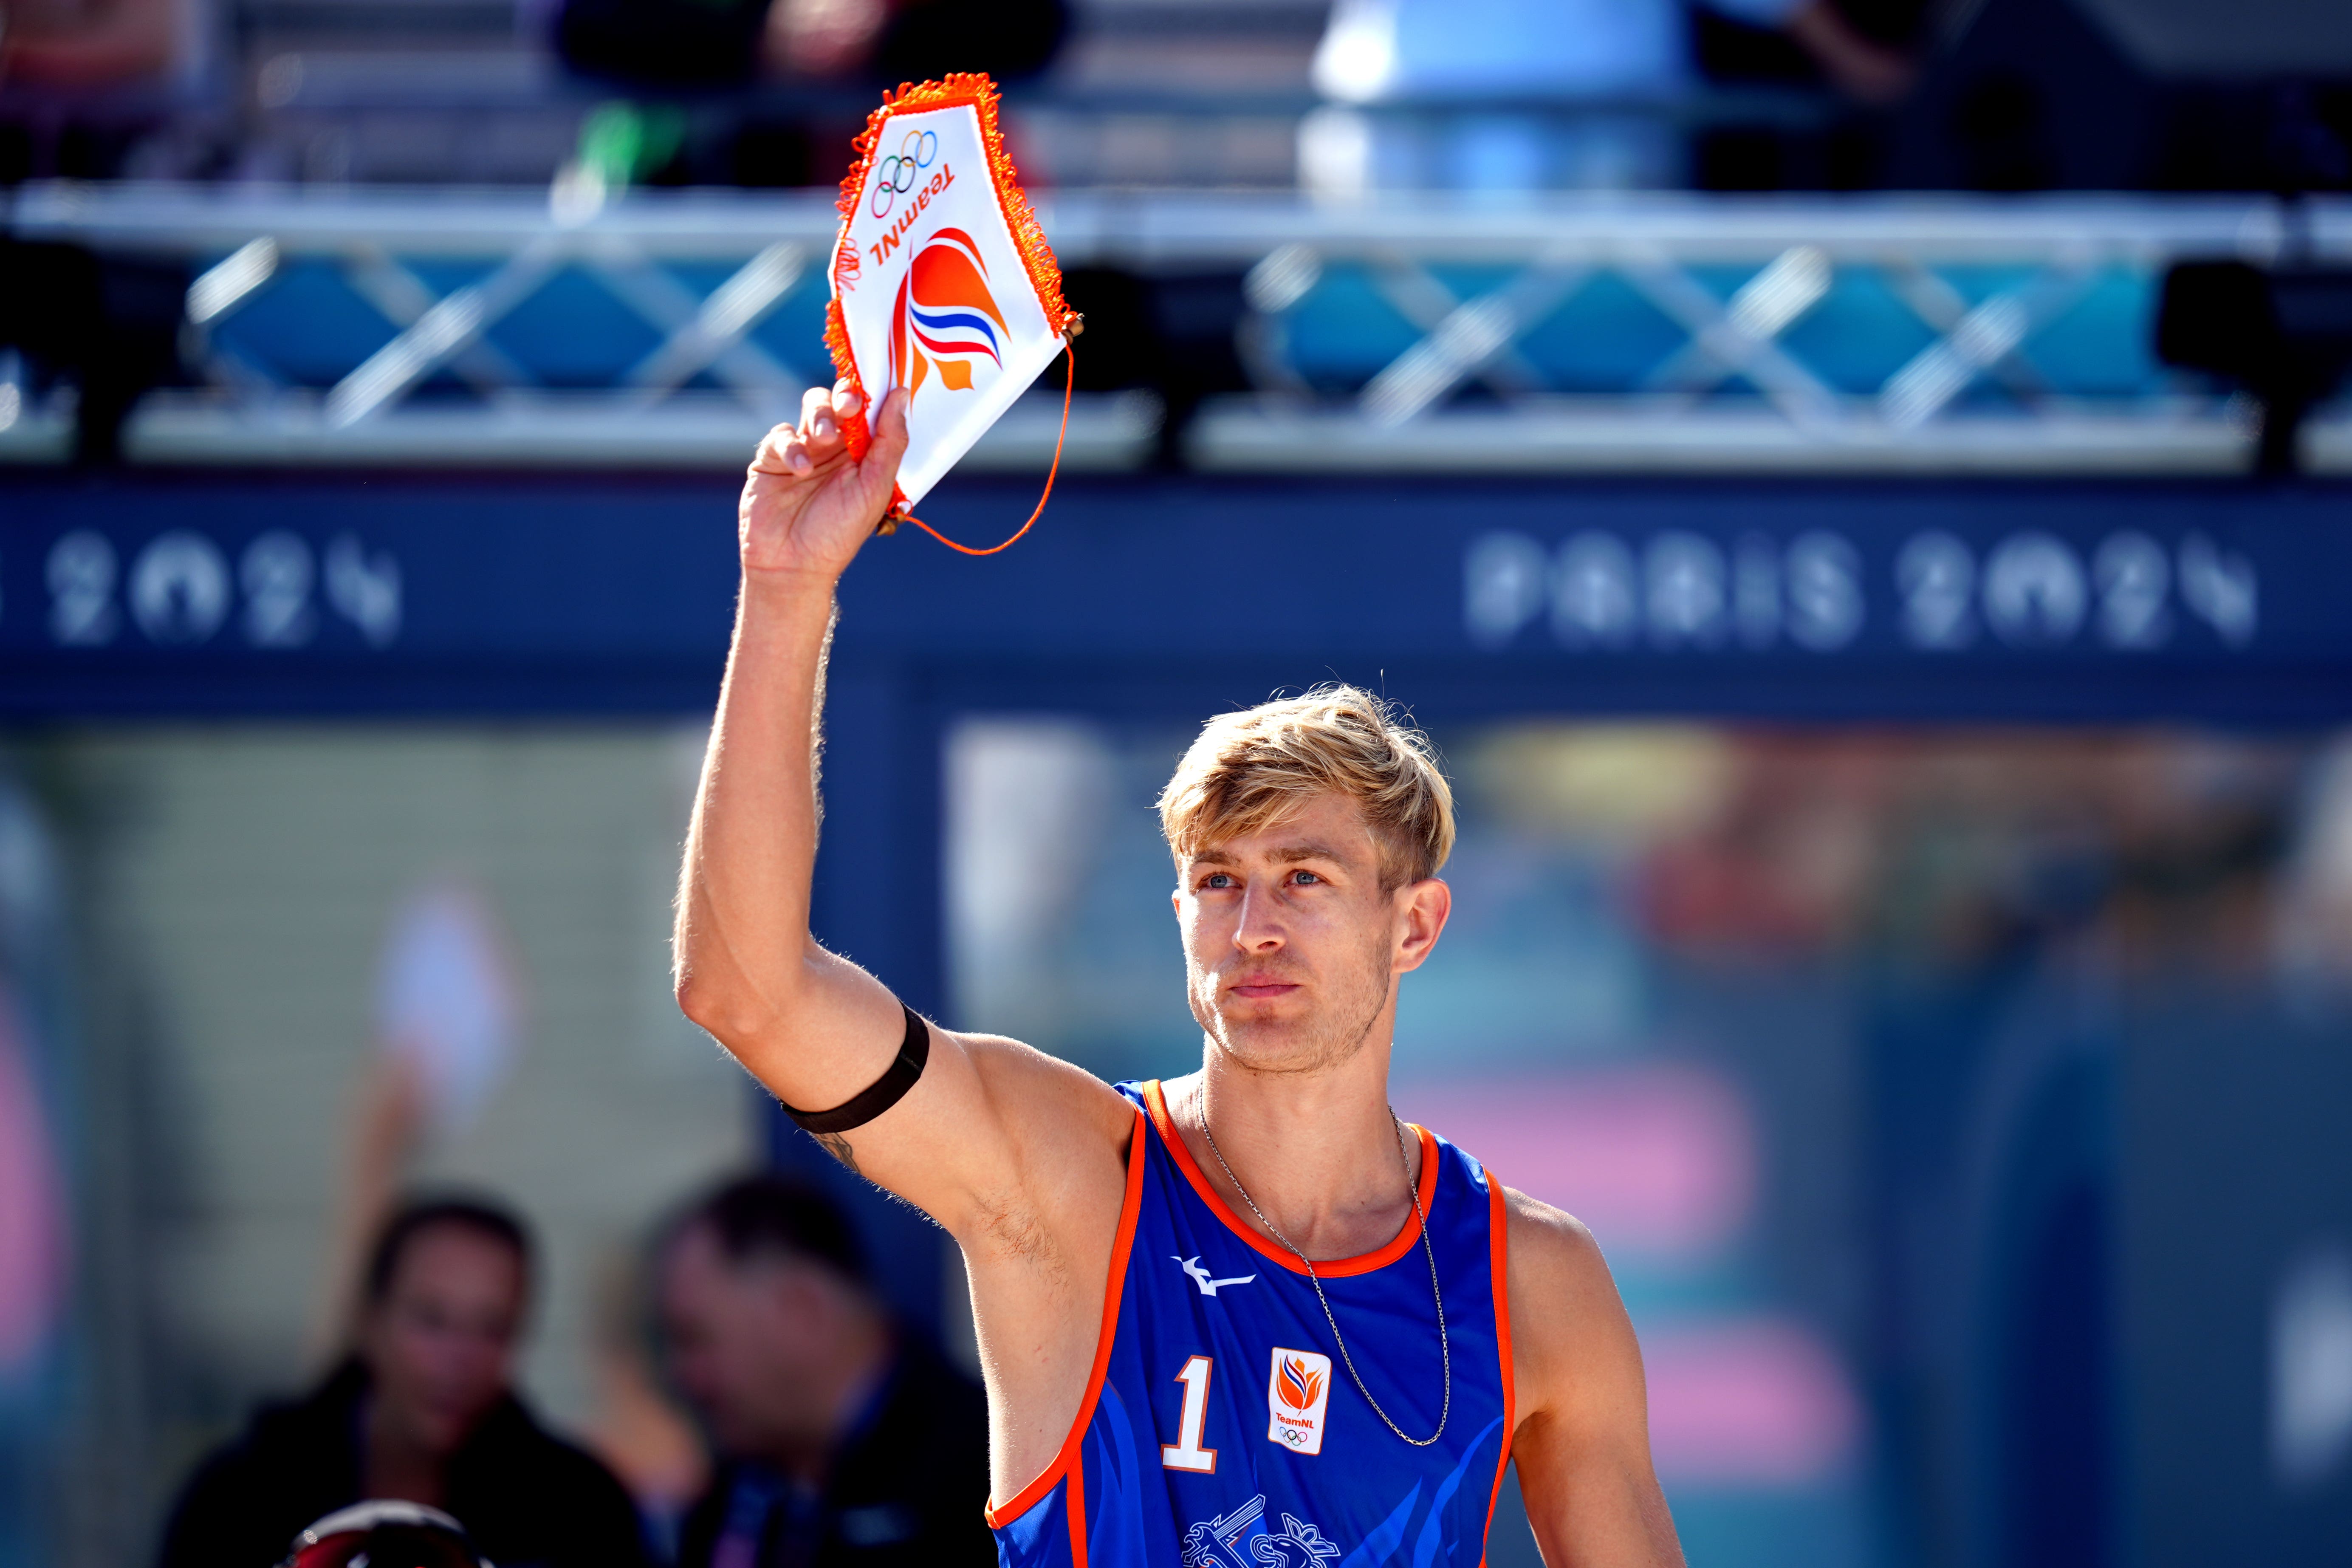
point(221, 594)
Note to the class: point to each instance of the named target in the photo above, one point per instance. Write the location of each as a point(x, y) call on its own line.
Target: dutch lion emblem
point(945, 317)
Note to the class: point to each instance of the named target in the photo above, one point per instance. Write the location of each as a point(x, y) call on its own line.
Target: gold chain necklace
point(1445, 1351)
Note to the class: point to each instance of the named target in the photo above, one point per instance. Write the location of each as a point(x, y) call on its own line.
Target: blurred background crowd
point(1794, 454)
point(1828, 1036)
point(1730, 95)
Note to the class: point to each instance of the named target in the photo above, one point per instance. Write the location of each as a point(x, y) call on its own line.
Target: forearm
point(813, 1027)
point(748, 969)
point(1598, 1508)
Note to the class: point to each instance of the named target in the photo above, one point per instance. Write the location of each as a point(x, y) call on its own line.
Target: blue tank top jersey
point(1221, 1428)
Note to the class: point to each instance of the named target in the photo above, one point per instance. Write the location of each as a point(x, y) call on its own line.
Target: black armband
point(881, 1094)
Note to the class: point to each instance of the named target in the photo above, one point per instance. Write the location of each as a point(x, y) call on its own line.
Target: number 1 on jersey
point(1186, 1453)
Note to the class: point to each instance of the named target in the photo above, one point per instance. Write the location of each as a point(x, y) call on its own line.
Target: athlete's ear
point(1425, 906)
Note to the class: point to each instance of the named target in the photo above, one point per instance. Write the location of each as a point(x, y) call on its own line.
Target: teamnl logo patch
point(1298, 1400)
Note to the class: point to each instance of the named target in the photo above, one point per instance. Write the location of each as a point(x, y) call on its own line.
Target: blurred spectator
point(423, 1409)
point(448, 1028)
point(641, 1429)
point(107, 324)
point(821, 58)
point(660, 44)
point(85, 45)
point(715, 43)
point(840, 1440)
point(85, 86)
point(1011, 40)
point(65, 43)
point(1535, 94)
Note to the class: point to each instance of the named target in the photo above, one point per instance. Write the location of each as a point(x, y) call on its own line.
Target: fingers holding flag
point(889, 444)
point(806, 504)
point(799, 450)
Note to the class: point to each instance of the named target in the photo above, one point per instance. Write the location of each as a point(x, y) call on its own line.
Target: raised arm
point(812, 1025)
point(1583, 1441)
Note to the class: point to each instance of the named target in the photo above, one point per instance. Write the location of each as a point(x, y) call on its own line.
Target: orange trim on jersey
point(1067, 1461)
point(1074, 1507)
point(1363, 1263)
point(1498, 1243)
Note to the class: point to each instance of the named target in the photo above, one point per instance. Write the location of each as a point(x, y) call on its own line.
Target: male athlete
point(1245, 1319)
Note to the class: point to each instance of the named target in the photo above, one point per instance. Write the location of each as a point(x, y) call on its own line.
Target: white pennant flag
point(942, 282)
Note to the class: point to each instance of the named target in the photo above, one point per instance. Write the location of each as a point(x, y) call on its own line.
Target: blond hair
point(1249, 771)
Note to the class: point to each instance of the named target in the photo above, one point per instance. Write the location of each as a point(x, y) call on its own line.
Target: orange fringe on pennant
point(955, 90)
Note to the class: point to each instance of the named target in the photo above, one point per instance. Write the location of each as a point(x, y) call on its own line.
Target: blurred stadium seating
point(466, 92)
point(1144, 93)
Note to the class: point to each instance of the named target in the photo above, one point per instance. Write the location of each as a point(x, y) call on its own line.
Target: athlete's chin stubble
point(1323, 1040)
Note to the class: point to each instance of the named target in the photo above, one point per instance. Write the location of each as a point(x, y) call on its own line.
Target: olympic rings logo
point(895, 175)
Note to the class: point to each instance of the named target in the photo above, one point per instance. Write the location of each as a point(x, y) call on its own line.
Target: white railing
point(1737, 392)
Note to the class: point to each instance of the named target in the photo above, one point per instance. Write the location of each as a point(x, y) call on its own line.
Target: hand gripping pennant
point(942, 283)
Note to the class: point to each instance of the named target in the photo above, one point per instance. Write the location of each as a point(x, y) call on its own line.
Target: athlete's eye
point(1304, 878)
point(1217, 881)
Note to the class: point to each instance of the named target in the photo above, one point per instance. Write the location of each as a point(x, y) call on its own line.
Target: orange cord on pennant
point(1069, 381)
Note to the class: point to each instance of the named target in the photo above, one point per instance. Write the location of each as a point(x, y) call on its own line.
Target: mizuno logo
point(1201, 1276)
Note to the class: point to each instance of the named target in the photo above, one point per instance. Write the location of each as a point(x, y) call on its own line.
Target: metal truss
point(1471, 391)
point(1735, 396)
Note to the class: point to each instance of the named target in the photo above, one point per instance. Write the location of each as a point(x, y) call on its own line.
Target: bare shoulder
point(997, 1134)
point(1039, 1087)
point(1550, 1244)
point(1572, 1346)
point(1059, 1165)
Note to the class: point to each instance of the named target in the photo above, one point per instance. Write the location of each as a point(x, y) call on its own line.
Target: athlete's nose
point(1259, 930)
